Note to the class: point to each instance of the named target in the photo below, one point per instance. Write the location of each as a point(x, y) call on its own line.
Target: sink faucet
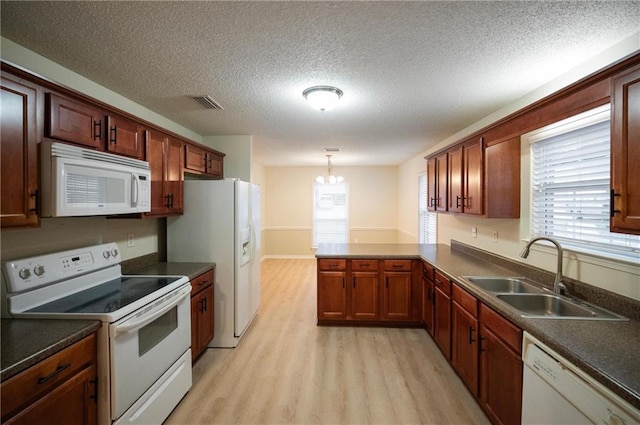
point(558, 286)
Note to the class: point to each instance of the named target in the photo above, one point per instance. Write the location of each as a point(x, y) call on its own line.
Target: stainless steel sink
point(501, 284)
point(556, 307)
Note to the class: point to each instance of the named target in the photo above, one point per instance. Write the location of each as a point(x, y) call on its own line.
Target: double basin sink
point(532, 301)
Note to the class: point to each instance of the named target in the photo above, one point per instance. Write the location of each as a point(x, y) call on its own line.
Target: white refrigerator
point(221, 224)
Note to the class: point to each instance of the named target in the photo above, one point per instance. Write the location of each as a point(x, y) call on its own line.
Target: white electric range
point(144, 355)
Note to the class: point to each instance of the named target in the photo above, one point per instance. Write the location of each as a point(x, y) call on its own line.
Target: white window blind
point(330, 213)
point(570, 177)
point(427, 221)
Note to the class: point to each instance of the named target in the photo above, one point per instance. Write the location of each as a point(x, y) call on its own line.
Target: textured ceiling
point(413, 73)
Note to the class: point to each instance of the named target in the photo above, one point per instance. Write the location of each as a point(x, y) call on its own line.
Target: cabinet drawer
point(364, 265)
point(427, 271)
point(202, 281)
point(332, 264)
point(398, 265)
point(507, 331)
point(42, 378)
point(442, 282)
point(465, 300)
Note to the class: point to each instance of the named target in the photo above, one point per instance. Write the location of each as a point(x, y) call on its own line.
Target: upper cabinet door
point(195, 158)
point(432, 177)
point(18, 157)
point(455, 197)
point(472, 177)
point(73, 121)
point(625, 152)
point(441, 184)
point(124, 137)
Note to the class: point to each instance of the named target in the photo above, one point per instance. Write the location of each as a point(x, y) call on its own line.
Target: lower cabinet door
point(364, 295)
point(442, 327)
point(464, 346)
point(397, 296)
point(500, 379)
point(332, 295)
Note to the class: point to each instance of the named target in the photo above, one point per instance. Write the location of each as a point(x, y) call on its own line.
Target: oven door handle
point(148, 317)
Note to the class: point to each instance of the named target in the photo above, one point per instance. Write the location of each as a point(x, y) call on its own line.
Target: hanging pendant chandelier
point(329, 177)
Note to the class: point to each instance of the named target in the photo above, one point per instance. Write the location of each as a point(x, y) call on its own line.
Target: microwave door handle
point(145, 320)
point(134, 190)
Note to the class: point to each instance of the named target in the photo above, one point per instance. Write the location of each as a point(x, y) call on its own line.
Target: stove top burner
point(107, 297)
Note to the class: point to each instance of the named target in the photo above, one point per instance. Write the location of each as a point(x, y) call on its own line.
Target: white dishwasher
point(555, 392)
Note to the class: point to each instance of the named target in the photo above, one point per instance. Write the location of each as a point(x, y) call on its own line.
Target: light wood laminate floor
point(287, 370)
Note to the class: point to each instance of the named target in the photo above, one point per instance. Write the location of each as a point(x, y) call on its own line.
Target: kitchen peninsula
point(612, 362)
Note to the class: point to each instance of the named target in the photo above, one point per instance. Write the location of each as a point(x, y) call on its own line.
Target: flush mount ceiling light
point(329, 177)
point(322, 97)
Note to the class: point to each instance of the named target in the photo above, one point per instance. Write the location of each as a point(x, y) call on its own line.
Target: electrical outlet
point(131, 242)
point(474, 232)
point(495, 236)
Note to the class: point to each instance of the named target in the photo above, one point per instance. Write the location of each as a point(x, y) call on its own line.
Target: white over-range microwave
point(82, 182)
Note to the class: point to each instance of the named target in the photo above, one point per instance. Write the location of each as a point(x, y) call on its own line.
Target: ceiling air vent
point(332, 149)
point(207, 102)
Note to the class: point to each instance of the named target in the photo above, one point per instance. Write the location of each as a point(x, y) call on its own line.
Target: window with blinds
point(427, 221)
point(570, 173)
point(330, 213)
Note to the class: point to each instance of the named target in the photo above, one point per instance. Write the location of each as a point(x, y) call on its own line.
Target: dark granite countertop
point(606, 350)
point(25, 342)
point(191, 270)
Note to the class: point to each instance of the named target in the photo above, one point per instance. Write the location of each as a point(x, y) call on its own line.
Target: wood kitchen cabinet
point(61, 389)
point(369, 291)
point(428, 297)
point(397, 290)
point(472, 174)
point(455, 197)
point(365, 281)
point(202, 313)
point(18, 153)
point(124, 137)
point(332, 289)
point(457, 179)
point(502, 179)
point(625, 152)
point(73, 121)
point(464, 337)
point(165, 157)
point(476, 178)
point(500, 368)
point(442, 314)
point(203, 161)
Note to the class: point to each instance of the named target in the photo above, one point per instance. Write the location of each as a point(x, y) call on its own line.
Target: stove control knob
point(24, 273)
point(38, 270)
point(106, 254)
point(114, 252)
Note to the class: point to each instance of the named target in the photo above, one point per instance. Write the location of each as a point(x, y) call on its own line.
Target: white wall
point(238, 150)
point(289, 207)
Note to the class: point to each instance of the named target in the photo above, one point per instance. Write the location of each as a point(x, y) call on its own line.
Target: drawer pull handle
point(59, 369)
point(397, 266)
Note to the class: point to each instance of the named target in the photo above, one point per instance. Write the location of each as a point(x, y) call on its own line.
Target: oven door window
point(152, 334)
